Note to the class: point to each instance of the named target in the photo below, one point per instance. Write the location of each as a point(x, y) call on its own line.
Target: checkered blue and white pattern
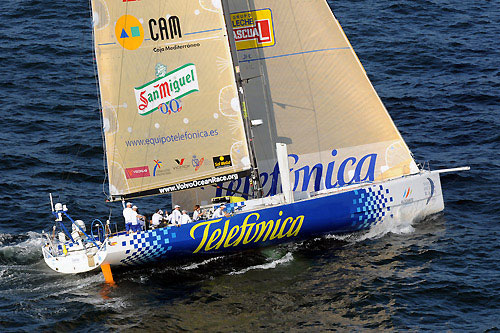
point(148, 246)
point(231, 207)
point(370, 206)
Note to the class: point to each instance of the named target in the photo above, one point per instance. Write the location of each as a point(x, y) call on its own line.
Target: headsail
point(319, 99)
point(307, 85)
point(170, 103)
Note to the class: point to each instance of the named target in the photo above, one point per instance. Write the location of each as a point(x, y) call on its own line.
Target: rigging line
point(118, 107)
point(99, 105)
point(135, 114)
point(308, 81)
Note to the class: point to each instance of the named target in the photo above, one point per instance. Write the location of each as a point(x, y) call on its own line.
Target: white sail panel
point(170, 103)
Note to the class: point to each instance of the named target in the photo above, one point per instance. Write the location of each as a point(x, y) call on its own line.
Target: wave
point(270, 265)
point(394, 226)
point(20, 249)
point(196, 265)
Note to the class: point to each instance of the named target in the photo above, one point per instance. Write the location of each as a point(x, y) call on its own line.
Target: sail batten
point(170, 103)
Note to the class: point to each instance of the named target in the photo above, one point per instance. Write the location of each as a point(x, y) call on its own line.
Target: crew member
point(175, 216)
point(130, 217)
point(137, 224)
point(197, 214)
point(156, 219)
point(220, 212)
point(185, 217)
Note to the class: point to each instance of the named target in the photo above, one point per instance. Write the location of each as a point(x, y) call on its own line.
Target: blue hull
point(335, 214)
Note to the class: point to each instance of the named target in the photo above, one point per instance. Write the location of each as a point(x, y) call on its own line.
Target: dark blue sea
point(436, 66)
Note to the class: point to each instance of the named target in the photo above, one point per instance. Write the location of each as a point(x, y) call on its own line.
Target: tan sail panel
point(313, 94)
point(170, 104)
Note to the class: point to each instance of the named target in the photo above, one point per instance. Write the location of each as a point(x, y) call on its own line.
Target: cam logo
point(222, 161)
point(165, 28)
point(160, 93)
point(129, 32)
point(253, 29)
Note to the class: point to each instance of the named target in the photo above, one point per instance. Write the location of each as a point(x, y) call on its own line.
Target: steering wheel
point(97, 229)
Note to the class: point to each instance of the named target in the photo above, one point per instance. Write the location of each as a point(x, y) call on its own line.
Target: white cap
point(160, 212)
point(135, 207)
point(177, 206)
point(129, 204)
point(184, 211)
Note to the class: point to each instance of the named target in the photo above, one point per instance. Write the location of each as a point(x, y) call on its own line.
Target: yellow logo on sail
point(129, 32)
point(253, 29)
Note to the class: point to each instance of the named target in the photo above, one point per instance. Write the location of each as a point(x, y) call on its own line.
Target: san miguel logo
point(253, 29)
point(174, 85)
point(222, 161)
point(130, 33)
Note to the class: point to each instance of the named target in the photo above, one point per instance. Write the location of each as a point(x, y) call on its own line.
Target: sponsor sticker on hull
point(253, 29)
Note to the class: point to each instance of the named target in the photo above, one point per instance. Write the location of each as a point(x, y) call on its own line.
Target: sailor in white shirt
point(130, 217)
point(136, 224)
point(197, 214)
point(175, 216)
point(219, 212)
point(185, 218)
point(156, 219)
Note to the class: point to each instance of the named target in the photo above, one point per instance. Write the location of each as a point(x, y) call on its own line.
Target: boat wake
point(398, 227)
point(198, 264)
point(20, 249)
point(270, 265)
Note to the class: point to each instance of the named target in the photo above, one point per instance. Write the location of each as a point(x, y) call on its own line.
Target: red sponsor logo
point(139, 172)
point(129, 0)
point(260, 31)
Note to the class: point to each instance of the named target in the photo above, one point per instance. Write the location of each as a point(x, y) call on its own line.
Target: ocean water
point(435, 64)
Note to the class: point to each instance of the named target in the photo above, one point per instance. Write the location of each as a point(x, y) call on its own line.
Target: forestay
point(170, 103)
point(307, 85)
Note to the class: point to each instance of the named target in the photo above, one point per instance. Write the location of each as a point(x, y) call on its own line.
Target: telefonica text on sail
point(172, 138)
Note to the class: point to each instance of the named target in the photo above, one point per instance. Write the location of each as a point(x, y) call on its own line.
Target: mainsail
point(170, 103)
point(306, 83)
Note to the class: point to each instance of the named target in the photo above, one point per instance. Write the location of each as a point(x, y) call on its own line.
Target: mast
point(256, 184)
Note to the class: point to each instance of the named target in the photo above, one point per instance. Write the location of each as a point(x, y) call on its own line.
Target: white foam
point(24, 251)
point(286, 258)
point(395, 226)
point(196, 265)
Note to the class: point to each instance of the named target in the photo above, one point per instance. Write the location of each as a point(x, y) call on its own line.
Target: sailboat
point(262, 104)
